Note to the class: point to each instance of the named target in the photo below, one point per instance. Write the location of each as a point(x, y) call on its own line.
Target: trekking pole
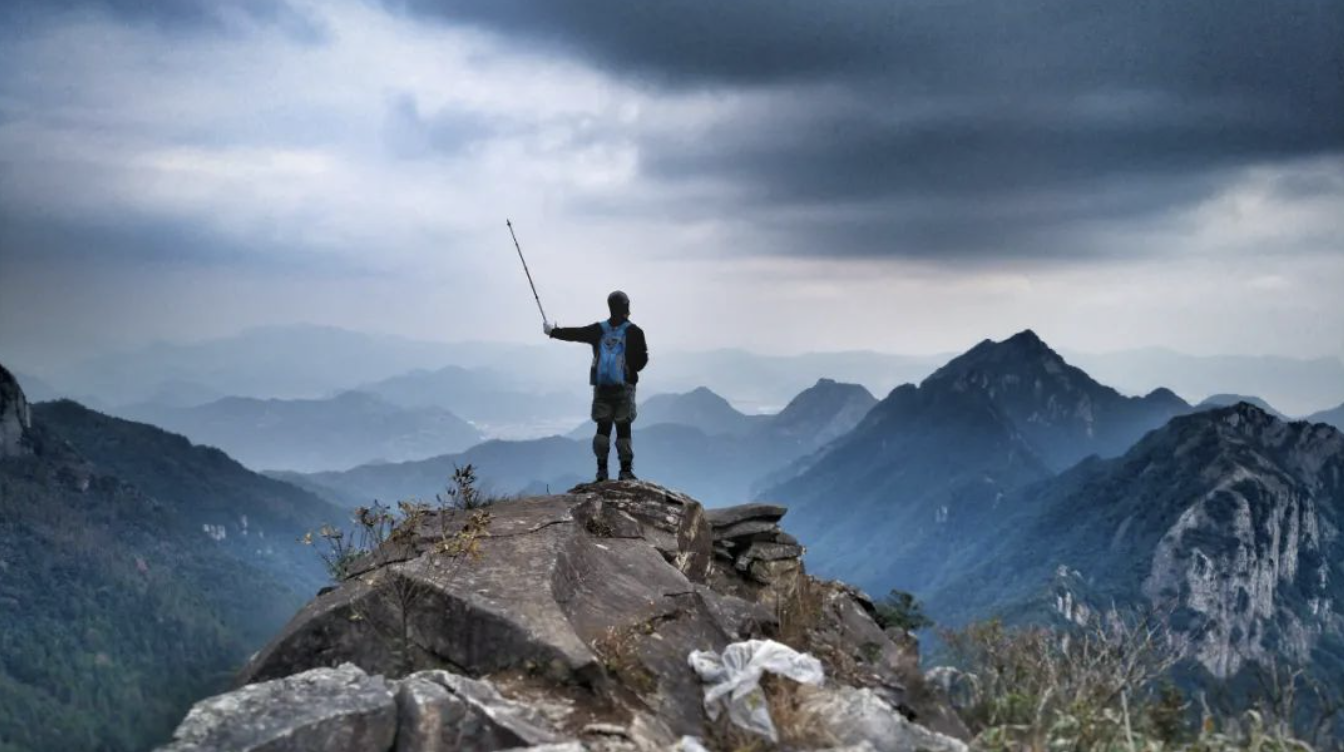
point(525, 271)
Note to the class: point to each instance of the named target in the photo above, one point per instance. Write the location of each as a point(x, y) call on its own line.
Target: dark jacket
point(636, 349)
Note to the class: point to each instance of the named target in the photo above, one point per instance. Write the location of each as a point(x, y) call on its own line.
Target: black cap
point(618, 303)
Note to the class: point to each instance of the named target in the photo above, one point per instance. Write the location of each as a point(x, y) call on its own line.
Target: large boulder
point(568, 619)
point(594, 588)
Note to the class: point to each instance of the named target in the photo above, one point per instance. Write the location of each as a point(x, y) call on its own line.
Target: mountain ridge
point(1226, 519)
point(345, 430)
point(118, 606)
point(935, 460)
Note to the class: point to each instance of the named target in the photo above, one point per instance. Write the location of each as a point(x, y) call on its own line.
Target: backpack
point(609, 364)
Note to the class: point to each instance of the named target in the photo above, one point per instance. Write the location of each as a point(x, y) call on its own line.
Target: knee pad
point(602, 446)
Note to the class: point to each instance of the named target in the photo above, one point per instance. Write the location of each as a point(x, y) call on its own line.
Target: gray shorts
point(614, 403)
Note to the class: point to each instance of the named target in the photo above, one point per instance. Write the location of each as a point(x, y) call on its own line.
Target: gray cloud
point(32, 241)
point(965, 127)
point(910, 176)
point(410, 133)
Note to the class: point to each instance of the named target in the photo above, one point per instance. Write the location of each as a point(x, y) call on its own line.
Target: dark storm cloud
point(961, 127)
point(837, 151)
point(176, 15)
point(922, 46)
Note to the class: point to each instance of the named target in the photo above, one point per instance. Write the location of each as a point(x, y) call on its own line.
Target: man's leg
point(602, 447)
point(625, 415)
point(625, 451)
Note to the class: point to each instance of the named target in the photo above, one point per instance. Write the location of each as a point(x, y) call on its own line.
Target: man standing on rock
point(619, 354)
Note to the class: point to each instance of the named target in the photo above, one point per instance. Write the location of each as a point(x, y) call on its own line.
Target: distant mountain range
point(138, 571)
point(699, 408)
point(349, 429)
point(1296, 385)
point(1334, 417)
point(547, 381)
point(696, 442)
point(929, 466)
point(283, 362)
point(502, 405)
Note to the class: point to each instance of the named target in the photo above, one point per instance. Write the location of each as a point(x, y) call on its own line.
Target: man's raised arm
point(591, 334)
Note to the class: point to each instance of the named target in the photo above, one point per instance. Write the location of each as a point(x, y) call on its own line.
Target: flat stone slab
point(744, 529)
point(338, 709)
point(725, 516)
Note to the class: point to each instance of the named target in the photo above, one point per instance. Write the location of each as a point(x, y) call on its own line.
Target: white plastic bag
point(734, 679)
point(688, 744)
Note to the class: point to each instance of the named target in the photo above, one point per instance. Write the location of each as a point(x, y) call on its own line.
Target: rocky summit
point(565, 622)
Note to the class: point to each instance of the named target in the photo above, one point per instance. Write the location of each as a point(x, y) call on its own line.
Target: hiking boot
point(627, 473)
point(602, 472)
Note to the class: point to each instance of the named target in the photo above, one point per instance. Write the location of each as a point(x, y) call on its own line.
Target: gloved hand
point(547, 327)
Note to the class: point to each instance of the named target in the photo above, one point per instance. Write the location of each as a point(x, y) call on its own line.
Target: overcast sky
point(785, 176)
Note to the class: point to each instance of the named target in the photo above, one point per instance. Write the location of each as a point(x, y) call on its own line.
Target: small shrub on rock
point(901, 611)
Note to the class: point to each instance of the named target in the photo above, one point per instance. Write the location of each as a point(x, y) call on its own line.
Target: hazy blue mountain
point(1227, 400)
point(501, 404)
point(138, 573)
point(699, 408)
point(1225, 519)
point(280, 361)
point(719, 469)
point(180, 393)
point(1334, 417)
point(815, 416)
point(753, 382)
point(504, 467)
point(929, 465)
point(318, 434)
point(820, 414)
point(1062, 412)
point(884, 504)
point(1295, 385)
point(712, 467)
point(510, 390)
point(765, 383)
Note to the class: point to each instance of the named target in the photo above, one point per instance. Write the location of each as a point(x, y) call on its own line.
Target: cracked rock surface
point(554, 622)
